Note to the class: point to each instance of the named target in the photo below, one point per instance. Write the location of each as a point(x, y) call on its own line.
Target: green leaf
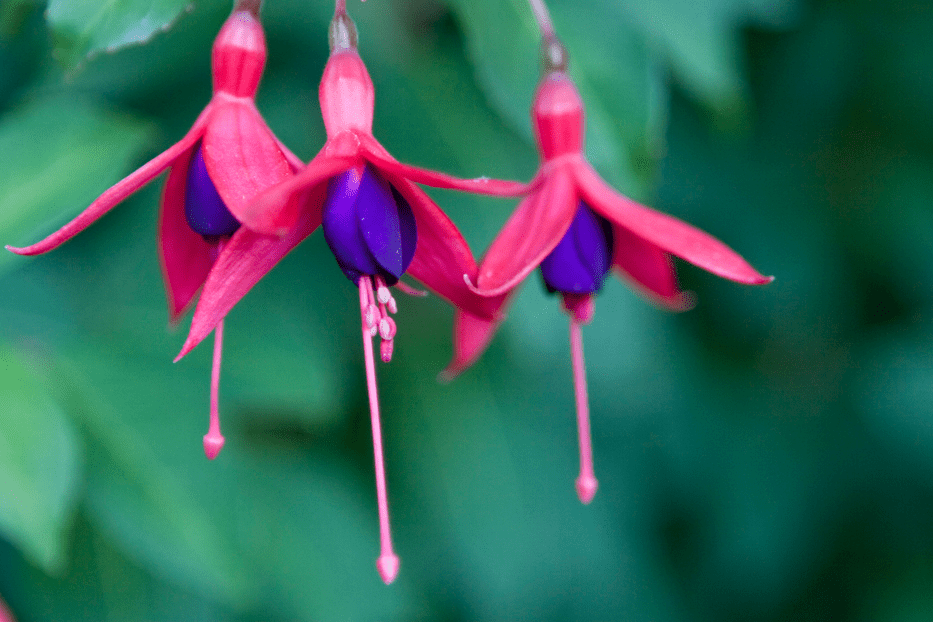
point(319, 559)
point(701, 40)
point(82, 29)
point(142, 479)
point(39, 465)
point(58, 155)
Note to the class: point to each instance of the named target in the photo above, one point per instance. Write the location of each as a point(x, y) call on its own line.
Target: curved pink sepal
point(119, 191)
point(666, 232)
point(536, 227)
point(245, 259)
point(472, 335)
point(442, 256)
point(375, 153)
point(294, 161)
point(242, 156)
point(648, 270)
point(184, 256)
point(276, 210)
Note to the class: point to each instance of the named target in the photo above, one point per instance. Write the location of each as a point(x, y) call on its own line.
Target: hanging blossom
point(227, 157)
point(377, 222)
point(575, 228)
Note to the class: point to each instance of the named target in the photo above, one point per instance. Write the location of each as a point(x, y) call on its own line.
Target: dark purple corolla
point(205, 211)
point(368, 226)
point(582, 259)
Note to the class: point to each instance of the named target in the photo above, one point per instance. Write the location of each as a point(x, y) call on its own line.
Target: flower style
point(377, 222)
point(227, 157)
point(576, 228)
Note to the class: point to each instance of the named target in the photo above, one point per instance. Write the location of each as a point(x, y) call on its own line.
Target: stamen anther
point(383, 295)
point(386, 348)
point(393, 306)
point(387, 328)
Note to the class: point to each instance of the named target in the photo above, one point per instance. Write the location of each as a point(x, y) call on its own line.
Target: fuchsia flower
point(378, 224)
point(575, 228)
point(227, 157)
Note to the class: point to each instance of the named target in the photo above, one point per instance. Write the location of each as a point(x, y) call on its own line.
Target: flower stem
point(543, 17)
point(252, 6)
point(388, 562)
point(214, 440)
point(586, 483)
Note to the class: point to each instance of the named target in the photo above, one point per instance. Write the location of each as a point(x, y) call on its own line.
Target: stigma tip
point(586, 488)
point(213, 443)
point(387, 565)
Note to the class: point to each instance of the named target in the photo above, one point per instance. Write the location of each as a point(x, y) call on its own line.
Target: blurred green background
point(765, 456)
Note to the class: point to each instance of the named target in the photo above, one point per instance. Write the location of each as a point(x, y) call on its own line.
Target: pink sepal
point(557, 116)
point(648, 270)
point(119, 191)
point(472, 335)
point(245, 259)
point(184, 256)
point(346, 94)
point(442, 256)
point(239, 55)
point(242, 156)
point(275, 211)
point(534, 229)
point(666, 232)
point(481, 185)
point(294, 161)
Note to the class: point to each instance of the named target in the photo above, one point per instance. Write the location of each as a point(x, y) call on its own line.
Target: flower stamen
point(388, 562)
point(387, 327)
point(586, 483)
point(214, 440)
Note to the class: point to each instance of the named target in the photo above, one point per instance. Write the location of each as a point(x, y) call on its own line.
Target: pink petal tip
point(213, 443)
point(586, 488)
point(387, 565)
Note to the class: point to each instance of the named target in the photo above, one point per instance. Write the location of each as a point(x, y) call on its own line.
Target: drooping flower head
point(377, 222)
point(576, 228)
point(227, 157)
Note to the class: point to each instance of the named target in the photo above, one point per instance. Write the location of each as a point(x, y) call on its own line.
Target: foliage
point(765, 456)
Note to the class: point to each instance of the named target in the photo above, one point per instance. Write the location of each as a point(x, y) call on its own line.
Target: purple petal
point(340, 227)
point(408, 229)
point(379, 222)
point(204, 209)
point(369, 227)
point(580, 261)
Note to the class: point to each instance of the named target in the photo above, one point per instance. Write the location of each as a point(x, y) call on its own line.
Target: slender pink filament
point(214, 440)
point(586, 483)
point(543, 17)
point(388, 562)
point(340, 7)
